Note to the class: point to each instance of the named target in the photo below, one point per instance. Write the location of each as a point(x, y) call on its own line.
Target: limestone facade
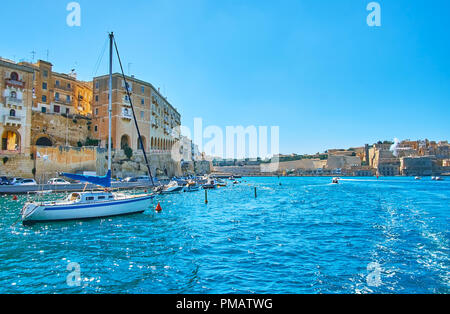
point(59, 93)
point(16, 83)
point(156, 117)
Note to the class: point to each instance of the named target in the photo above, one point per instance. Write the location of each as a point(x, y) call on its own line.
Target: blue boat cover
point(104, 181)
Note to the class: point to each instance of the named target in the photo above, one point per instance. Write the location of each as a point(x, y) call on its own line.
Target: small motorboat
point(172, 187)
point(221, 183)
point(335, 181)
point(439, 179)
point(418, 178)
point(192, 186)
point(210, 185)
point(433, 178)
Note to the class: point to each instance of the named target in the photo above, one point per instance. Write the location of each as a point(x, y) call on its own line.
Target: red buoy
point(15, 198)
point(158, 208)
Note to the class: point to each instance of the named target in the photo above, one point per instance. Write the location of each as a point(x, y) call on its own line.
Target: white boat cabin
point(90, 197)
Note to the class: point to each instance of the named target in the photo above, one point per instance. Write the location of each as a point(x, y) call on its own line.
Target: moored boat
point(86, 205)
point(192, 186)
point(172, 187)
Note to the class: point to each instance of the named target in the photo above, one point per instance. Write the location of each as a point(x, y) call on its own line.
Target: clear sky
point(312, 67)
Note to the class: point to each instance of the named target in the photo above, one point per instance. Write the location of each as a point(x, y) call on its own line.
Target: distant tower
point(366, 154)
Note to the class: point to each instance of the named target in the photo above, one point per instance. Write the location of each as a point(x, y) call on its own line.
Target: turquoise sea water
point(306, 236)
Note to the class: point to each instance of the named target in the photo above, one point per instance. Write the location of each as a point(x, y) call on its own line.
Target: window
point(57, 83)
point(56, 96)
point(142, 114)
point(96, 98)
point(96, 128)
point(45, 73)
point(14, 76)
point(67, 111)
point(56, 109)
point(96, 111)
point(13, 94)
point(142, 101)
point(143, 89)
point(101, 197)
point(96, 85)
point(67, 98)
point(68, 85)
point(44, 98)
point(90, 198)
point(44, 85)
point(44, 109)
point(12, 113)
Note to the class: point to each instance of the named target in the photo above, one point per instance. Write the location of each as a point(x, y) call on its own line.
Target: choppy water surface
point(305, 236)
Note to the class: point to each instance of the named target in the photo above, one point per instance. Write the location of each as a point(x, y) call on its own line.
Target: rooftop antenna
point(33, 54)
point(48, 53)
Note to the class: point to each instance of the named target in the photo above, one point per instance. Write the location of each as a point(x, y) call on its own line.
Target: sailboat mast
point(111, 40)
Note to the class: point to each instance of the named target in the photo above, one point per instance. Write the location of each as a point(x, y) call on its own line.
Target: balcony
point(126, 114)
point(63, 102)
point(14, 83)
point(13, 100)
point(12, 120)
point(63, 88)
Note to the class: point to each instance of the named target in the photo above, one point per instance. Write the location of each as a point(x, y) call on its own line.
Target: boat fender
point(158, 208)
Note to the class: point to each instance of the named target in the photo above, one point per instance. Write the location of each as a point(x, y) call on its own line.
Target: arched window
point(143, 143)
point(11, 141)
point(13, 94)
point(12, 113)
point(124, 141)
point(14, 76)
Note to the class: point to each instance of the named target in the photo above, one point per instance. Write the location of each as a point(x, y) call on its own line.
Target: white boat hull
point(33, 212)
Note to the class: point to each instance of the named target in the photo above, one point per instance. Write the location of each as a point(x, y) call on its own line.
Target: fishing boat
point(335, 181)
point(93, 204)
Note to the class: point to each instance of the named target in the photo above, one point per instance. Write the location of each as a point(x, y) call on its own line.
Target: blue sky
point(312, 67)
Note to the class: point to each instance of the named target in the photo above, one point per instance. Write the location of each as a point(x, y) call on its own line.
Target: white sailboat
point(87, 205)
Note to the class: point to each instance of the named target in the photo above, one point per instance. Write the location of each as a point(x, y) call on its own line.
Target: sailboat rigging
point(134, 115)
point(84, 205)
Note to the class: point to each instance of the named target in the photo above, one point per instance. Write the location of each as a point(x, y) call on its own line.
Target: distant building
point(417, 166)
point(342, 161)
point(382, 159)
point(16, 84)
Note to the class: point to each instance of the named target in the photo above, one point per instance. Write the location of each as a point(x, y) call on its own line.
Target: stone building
point(417, 166)
point(16, 83)
point(156, 117)
point(342, 162)
point(59, 93)
point(382, 159)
